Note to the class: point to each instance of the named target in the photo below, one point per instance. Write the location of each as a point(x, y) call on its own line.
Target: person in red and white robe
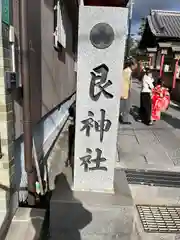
point(160, 101)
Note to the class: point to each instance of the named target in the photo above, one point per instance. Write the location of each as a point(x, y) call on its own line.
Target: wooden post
point(175, 72)
point(162, 64)
point(155, 61)
point(150, 60)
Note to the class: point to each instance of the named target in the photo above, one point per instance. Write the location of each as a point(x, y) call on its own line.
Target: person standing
point(125, 105)
point(145, 98)
point(160, 100)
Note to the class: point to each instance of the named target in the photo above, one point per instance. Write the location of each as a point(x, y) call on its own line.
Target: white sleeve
point(150, 83)
point(144, 81)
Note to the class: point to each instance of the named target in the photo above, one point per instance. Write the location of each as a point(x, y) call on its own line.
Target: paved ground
point(156, 147)
point(151, 148)
point(139, 147)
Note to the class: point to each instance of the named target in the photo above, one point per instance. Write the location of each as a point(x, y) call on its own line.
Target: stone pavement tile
point(105, 224)
point(18, 231)
point(98, 222)
point(26, 214)
point(176, 132)
point(120, 236)
point(145, 137)
point(147, 167)
point(159, 125)
point(162, 125)
point(171, 144)
point(168, 140)
point(159, 146)
point(26, 224)
point(156, 155)
point(134, 125)
point(141, 148)
point(127, 142)
point(143, 194)
point(131, 159)
point(129, 150)
point(123, 131)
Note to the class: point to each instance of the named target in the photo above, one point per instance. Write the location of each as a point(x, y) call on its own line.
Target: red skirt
point(156, 107)
point(160, 103)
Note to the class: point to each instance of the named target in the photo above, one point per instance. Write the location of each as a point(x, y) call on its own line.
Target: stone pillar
point(101, 46)
point(94, 212)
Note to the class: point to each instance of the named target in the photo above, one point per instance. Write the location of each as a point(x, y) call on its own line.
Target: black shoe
point(120, 119)
point(126, 123)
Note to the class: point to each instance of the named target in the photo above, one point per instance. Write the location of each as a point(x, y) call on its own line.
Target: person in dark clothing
point(145, 98)
point(157, 82)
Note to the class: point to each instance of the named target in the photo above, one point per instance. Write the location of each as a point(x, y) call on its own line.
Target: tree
point(142, 26)
point(133, 46)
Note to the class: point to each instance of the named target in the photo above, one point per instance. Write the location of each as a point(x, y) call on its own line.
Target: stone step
point(26, 224)
point(142, 194)
point(146, 167)
point(5, 178)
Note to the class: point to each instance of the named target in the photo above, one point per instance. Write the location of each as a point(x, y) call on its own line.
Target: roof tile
point(165, 23)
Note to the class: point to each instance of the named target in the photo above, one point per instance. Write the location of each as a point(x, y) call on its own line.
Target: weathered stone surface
point(89, 57)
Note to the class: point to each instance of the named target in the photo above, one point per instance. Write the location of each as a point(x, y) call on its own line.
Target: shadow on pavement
point(173, 121)
point(38, 223)
point(134, 112)
point(67, 214)
point(65, 217)
point(175, 107)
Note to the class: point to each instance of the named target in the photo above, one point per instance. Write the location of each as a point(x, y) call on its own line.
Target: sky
point(142, 8)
